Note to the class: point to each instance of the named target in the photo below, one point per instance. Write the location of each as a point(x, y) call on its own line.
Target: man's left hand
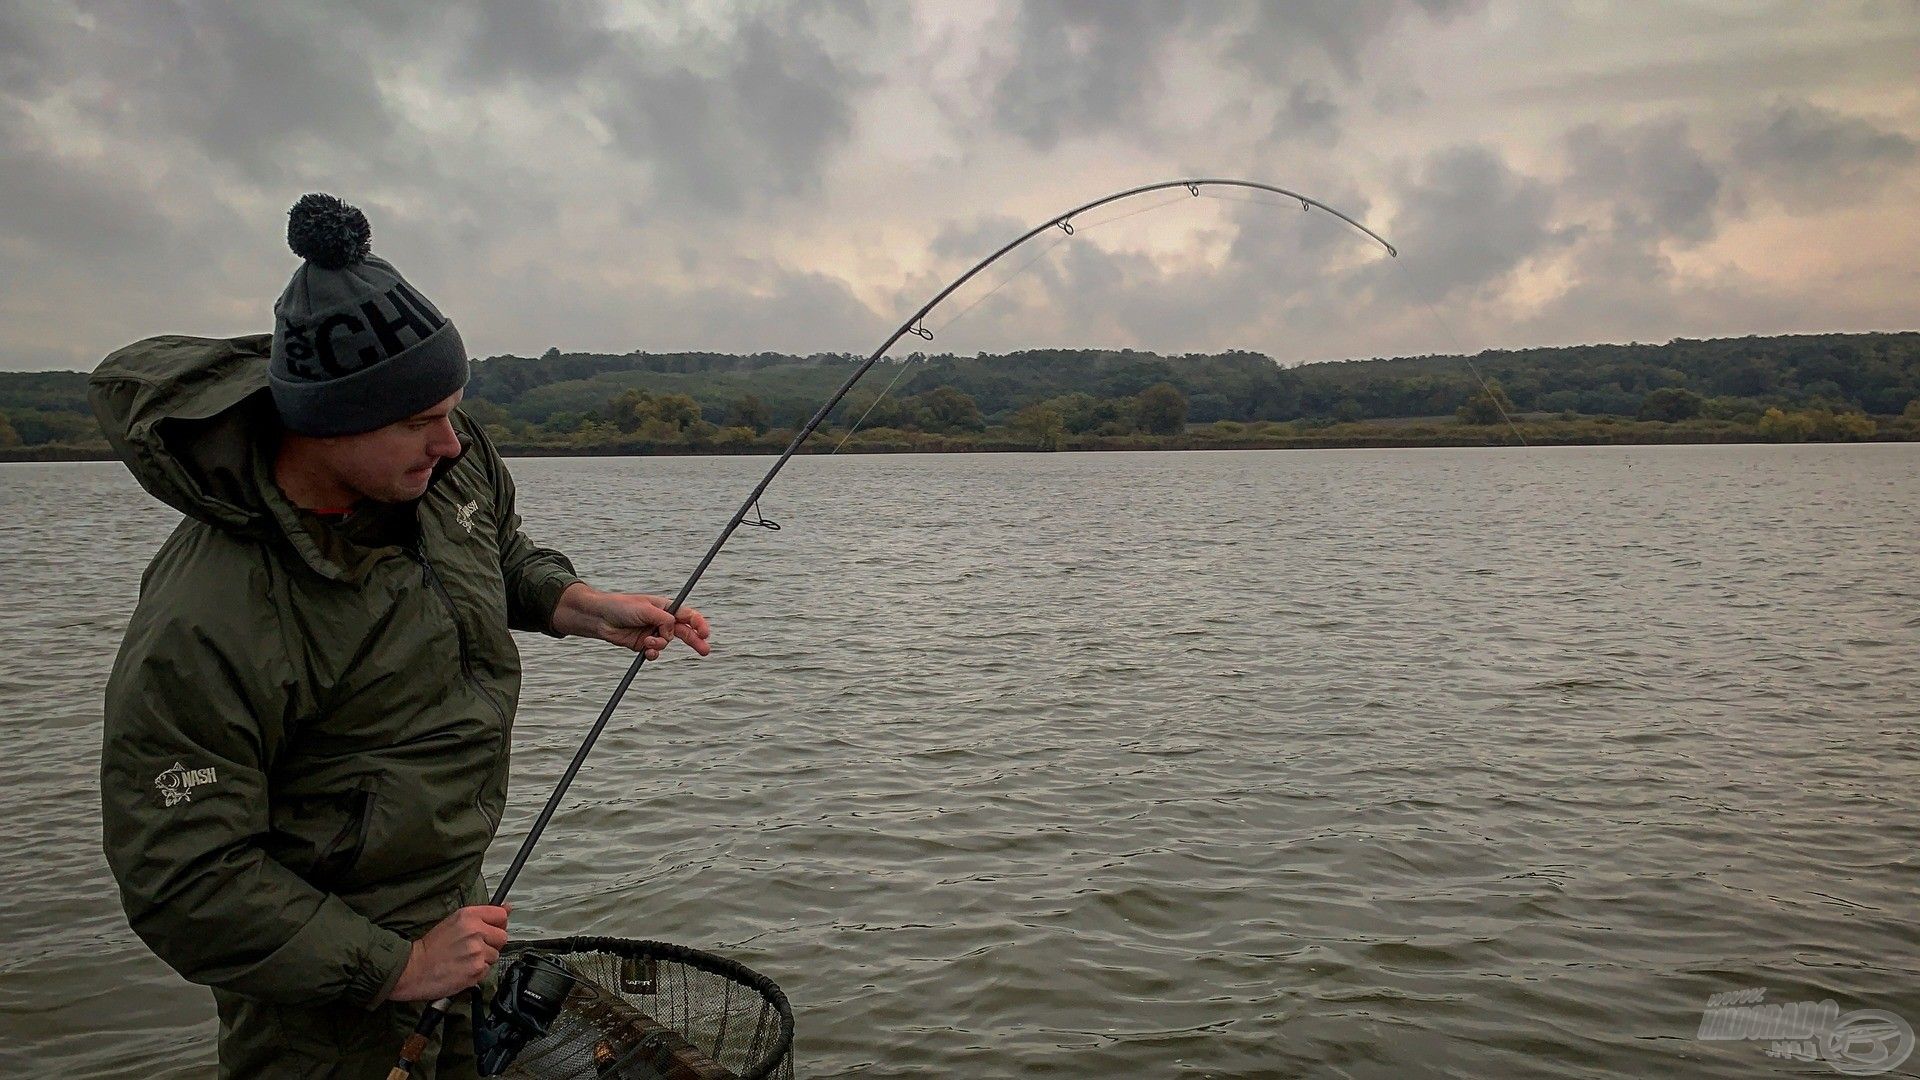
point(637, 621)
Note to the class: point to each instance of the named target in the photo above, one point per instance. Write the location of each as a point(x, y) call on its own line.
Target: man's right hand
point(454, 955)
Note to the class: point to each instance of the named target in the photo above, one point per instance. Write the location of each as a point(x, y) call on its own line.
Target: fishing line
point(904, 365)
point(1077, 231)
point(1254, 199)
point(1485, 387)
point(1259, 199)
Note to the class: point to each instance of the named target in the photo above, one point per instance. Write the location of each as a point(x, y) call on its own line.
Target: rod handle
point(410, 1052)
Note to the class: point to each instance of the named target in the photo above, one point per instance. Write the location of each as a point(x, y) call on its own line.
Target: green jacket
point(307, 725)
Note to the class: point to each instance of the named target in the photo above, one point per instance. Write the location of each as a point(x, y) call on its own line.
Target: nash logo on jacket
point(176, 784)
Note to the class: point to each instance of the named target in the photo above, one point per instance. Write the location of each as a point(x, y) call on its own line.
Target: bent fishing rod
point(914, 324)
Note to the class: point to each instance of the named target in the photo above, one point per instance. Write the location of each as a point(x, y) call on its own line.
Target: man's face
point(395, 463)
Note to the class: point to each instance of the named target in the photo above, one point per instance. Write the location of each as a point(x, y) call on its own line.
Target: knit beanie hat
point(354, 346)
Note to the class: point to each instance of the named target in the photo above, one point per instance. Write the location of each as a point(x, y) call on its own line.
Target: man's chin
point(415, 484)
point(408, 487)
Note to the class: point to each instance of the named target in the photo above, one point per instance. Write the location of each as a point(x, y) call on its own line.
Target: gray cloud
point(1656, 181)
point(759, 307)
point(777, 102)
point(961, 243)
point(1467, 221)
point(287, 92)
point(271, 90)
point(1082, 65)
point(84, 214)
point(553, 42)
point(1308, 112)
point(1272, 37)
point(1800, 151)
point(26, 46)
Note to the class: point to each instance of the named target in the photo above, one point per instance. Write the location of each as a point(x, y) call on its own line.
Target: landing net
point(648, 1010)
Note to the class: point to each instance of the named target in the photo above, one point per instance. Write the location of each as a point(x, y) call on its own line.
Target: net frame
point(776, 1060)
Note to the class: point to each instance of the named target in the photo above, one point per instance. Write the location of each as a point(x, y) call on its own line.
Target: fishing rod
point(430, 1020)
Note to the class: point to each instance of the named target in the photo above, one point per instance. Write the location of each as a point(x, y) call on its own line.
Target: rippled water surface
point(1369, 763)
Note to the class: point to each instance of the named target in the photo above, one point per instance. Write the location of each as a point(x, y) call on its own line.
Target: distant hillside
point(1873, 373)
point(585, 396)
point(1227, 386)
point(46, 407)
point(538, 389)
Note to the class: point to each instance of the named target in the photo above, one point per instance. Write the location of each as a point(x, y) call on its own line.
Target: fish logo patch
point(464, 515)
point(176, 784)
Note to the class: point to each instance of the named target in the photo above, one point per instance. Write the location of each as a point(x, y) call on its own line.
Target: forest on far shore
point(1819, 387)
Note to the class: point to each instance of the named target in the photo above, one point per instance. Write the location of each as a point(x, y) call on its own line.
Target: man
point(307, 726)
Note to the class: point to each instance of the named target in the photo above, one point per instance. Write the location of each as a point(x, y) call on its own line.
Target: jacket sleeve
point(535, 576)
point(190, 732)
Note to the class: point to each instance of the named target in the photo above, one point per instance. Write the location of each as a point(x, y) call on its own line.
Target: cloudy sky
point(798, 178)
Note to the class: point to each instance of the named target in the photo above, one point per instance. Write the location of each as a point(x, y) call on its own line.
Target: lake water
point(1341, 763)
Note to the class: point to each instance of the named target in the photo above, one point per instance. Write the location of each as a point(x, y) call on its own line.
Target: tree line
point(940, 416)
point(1733, 378)
point(1819, 386)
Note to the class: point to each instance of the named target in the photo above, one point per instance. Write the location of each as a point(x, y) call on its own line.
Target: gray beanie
point(354, 346)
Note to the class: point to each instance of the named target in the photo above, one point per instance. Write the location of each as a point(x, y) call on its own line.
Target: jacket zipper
point(432, 578)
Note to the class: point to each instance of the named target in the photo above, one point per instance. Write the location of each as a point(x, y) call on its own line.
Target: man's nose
point(446, 443)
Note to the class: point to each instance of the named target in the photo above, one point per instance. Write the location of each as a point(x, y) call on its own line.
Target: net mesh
point(648, 1010)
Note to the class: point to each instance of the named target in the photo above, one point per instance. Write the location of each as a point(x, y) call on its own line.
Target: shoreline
point(1468, 437)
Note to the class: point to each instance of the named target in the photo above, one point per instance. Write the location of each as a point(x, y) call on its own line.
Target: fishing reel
point(530, 996)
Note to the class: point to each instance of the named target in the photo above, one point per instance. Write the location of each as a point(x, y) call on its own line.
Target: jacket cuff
point(393, 978)
point(381, 963)
point(337, 955)
point(544, 594)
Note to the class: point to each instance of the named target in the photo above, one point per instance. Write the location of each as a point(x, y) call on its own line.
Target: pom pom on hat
point(327, 232)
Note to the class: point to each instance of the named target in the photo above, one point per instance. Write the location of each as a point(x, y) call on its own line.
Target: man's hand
point(454, 955)
point(636, 621)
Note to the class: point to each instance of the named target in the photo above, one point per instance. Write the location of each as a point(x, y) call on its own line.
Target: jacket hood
point(194, 420)
point(186, 414)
